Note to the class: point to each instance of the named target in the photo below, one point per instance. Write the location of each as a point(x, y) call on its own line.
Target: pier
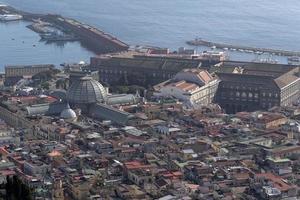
point(92, 38)
point(279, 52)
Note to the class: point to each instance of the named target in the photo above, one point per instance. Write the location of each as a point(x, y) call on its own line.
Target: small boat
point(55, 37)
point(294, 59)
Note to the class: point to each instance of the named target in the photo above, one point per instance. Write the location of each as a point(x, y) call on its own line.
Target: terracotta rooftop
point(278, 182)
point(136, 165)
point(183, 85)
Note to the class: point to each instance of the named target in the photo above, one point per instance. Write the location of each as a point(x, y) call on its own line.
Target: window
point(244, 95)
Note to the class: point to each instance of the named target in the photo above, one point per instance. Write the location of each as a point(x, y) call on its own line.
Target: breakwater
point(92, 38)
point(279, 52)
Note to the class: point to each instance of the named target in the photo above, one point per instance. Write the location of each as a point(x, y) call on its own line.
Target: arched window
point(244, 95)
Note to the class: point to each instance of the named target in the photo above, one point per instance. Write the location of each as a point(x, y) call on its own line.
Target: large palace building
point(139, 69)
point(256, 86)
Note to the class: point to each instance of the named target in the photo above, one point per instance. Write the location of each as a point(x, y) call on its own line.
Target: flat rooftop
point(145, 61)
point(252, 68)
point(29, 66)
point(260, 73)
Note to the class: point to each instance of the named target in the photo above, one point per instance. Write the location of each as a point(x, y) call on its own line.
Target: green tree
point(45, 85)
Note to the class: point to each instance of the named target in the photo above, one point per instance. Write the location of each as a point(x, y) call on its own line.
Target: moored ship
point(294, 60)
point(10, 17)
point(55, 37)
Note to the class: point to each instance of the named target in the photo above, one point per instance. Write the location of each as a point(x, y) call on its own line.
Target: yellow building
point(28, 70)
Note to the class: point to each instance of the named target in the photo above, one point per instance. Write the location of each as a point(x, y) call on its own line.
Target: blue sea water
point(19, 45)
point(165, 23)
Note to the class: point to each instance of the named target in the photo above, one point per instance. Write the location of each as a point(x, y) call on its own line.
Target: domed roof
point(85, 91)
point(68, 113)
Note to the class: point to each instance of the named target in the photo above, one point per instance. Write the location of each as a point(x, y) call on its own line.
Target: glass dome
point(86, 91)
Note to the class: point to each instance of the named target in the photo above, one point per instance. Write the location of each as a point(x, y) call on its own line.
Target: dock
point(91, 37)
point(279, 52)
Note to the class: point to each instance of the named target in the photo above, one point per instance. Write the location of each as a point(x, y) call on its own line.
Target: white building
point(191, 86)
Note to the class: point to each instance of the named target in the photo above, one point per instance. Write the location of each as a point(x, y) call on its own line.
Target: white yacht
point(10, 17)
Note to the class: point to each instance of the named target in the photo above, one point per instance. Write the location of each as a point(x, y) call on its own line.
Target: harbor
point(56, 28)
point(20, 45)
point(59, 30)
point(241, 48)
